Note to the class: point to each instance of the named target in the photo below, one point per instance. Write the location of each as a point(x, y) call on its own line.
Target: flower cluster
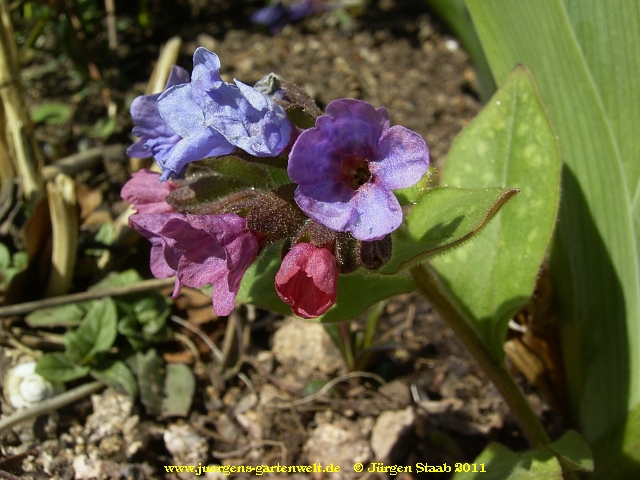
point(333, 216)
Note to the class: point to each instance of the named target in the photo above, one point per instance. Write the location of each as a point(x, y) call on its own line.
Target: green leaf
point(585, 57)
point(5, 257)
point(96, 333)
point(117, 375)
point(57, 367)
point(443, 218)
point(509, 143)
point(573, 452)
point(117, 279)
point(52, 113)
point(150, 374)
point(179, 387)
point(356, 292)
point(546, 462)
point(616, 452)
point(68, 315)
point(11, 265)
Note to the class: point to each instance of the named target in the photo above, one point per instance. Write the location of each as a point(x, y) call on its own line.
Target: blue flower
point(348, 164)
point(156, 137)
point(208, 117)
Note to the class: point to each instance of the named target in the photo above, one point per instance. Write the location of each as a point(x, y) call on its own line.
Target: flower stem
point(430, 287)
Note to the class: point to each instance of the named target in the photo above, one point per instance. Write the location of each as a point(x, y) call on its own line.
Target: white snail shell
point(23, 387)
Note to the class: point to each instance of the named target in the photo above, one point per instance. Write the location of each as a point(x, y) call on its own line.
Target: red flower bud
point(308, 280)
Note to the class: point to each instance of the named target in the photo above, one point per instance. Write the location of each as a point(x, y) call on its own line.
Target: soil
point(435, 406)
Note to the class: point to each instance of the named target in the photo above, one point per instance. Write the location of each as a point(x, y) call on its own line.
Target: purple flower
point(276, 16)
point(348, 164)
point(200, 249)
point(308, 280)
point(147, 194)
point(156, 137)
point(214, 117)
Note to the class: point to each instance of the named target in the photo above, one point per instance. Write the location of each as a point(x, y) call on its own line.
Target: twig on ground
point(330, 384)
point(81, 161)
point(143, 286)
point(193, 328)
point(50, 405)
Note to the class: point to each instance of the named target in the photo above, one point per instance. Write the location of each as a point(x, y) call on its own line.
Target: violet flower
point(276, 15)
point(348, 164)
point(214, 117)
point(200, 249)
point(157, 139)
point(147, 194)
point(307, 280)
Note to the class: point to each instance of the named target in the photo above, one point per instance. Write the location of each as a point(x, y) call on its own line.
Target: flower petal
point(403, 158)
point(146, 193)
point(379, 213)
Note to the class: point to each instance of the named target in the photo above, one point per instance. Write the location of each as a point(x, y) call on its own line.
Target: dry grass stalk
point(61, 193)
point(19, 151)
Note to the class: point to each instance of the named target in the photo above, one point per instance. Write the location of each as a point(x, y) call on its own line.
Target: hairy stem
point(430, 287)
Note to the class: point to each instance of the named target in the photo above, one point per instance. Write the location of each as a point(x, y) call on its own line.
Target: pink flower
point(307, 280)
point(147, 194)
point(200, 249)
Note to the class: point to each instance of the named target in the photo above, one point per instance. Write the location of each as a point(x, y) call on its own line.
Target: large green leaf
point(585, 57)
point(444, 218)
point(509, 143)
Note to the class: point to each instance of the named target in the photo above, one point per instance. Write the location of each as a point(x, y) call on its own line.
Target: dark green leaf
point(117, 375)
point(57, 367)
point(96, 333)
point(150, 374)
point(68, 315)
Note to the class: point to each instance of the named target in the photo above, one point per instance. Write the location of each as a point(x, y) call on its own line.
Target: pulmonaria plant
point(260, 174)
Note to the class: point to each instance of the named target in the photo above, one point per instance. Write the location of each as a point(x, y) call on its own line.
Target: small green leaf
point(96, 333)
point(441, 219)
point(5, 257)
point(117, 375)
point(68, 315)
point(102, 129)
point(117, 279)
point(52, 113)
point(179, 387)
point(57, 367)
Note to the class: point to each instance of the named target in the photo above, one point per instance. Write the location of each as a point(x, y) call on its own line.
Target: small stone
point(306, 348)
point(337, 444)
point(390, 431)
